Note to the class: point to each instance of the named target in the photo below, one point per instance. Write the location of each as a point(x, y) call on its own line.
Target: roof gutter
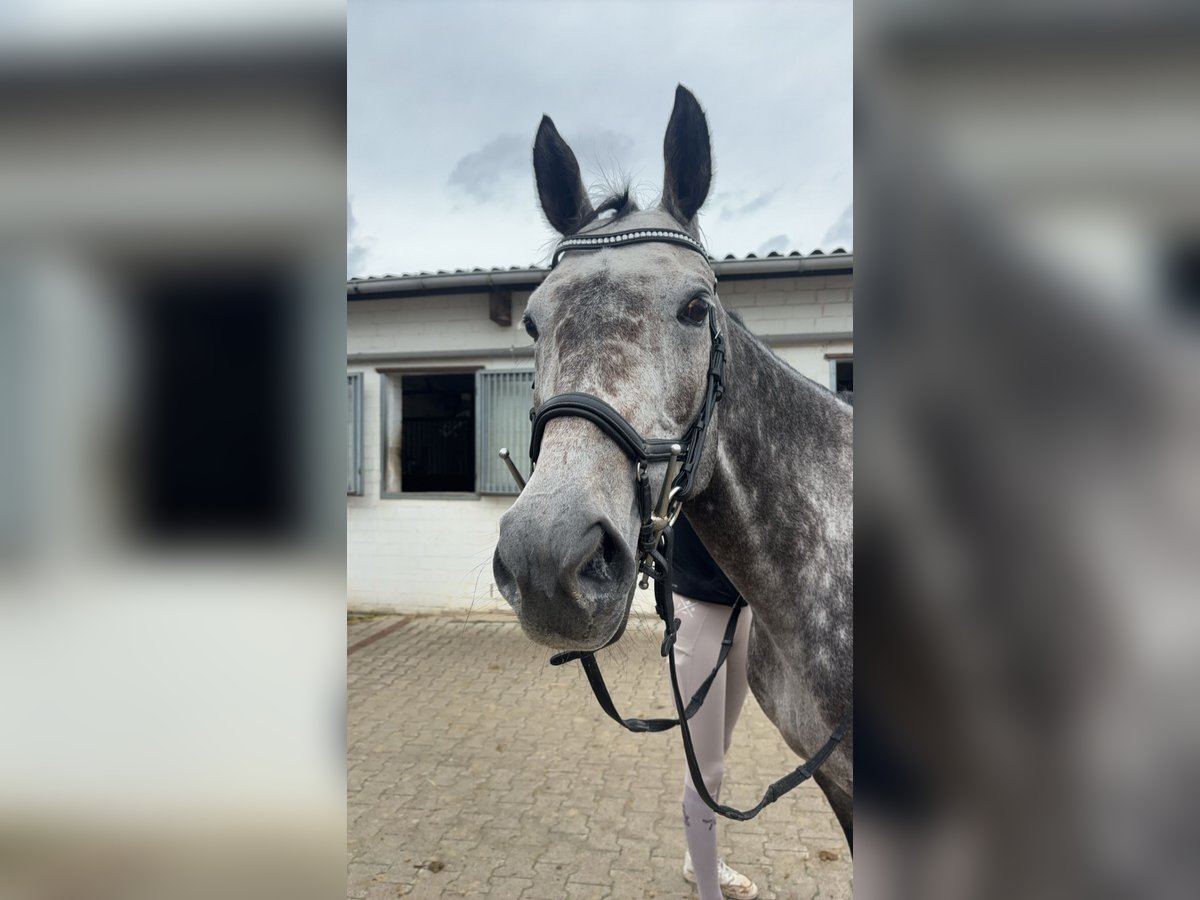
point(771, 266)
point(417, 284)
point(783, 265)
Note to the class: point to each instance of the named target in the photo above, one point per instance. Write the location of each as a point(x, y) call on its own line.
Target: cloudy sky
point(445, 98)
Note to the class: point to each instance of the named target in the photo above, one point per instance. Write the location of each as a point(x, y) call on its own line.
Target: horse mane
point(735, 316)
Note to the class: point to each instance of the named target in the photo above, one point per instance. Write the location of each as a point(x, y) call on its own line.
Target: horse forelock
point(618, 198)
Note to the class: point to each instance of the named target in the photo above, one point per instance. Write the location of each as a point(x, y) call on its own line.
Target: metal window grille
point(503, 400)
point(354, 442)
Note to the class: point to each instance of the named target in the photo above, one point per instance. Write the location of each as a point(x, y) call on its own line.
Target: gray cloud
point(779, 243)
point(487, 172)
point(505, 163)
point(745, 209)
point(841, 232)
point(356, 250)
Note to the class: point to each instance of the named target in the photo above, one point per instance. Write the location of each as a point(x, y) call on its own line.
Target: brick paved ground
point(476, 769)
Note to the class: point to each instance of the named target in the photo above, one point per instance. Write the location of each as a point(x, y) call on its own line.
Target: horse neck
point(780, 495)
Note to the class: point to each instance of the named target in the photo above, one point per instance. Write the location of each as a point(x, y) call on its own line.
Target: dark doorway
point(437, 438)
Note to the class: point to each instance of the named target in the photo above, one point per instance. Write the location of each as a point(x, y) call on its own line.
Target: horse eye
point(530, 328)
point(694, 311)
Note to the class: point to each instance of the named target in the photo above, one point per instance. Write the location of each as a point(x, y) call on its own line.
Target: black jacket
point(694, 573)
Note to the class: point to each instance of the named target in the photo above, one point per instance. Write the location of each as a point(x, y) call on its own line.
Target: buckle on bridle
point(665, 512)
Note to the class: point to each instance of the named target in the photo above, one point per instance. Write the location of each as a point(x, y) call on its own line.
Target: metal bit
point(512, 468)
point(664, 496)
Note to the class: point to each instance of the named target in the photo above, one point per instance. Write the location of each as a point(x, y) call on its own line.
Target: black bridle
point(656, 536)
point(682, 456)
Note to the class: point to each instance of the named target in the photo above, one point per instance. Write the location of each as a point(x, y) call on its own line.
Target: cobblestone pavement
point(477, 769)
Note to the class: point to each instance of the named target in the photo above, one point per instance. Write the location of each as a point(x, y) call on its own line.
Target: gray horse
point(773, 497)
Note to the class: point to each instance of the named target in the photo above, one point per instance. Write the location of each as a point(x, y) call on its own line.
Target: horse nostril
point(506, 582)
point(608, 547)
point(604, 564)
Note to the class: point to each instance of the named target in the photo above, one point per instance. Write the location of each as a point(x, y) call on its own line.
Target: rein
point(656, 537)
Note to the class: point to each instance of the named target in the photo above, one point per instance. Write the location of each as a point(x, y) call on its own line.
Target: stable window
point(428, 433)
point(354, 456)
point(504, 401)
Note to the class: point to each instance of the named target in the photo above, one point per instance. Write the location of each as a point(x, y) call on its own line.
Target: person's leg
point(700, 630)
point(736, 683)
point(700, 830)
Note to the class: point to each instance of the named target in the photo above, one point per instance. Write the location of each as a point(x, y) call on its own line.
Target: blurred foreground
point(1028, 436)
point(171, 352)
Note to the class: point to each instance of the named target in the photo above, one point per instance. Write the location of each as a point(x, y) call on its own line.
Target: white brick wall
point(415, 554)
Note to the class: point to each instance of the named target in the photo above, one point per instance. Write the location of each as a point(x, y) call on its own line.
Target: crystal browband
point(636, 236)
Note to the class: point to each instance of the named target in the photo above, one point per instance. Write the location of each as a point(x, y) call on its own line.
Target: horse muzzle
point(570, 584)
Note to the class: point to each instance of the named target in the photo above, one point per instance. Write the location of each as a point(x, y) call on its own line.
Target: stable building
point(439, 374)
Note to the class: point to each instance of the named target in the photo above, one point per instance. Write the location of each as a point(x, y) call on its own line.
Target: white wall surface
point(423, 555)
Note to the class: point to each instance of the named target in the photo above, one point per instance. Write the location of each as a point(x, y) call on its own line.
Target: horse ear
point(560, 186)
point(688, 157)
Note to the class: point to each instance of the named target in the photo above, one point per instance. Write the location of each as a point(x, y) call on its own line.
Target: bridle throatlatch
point(656, 536)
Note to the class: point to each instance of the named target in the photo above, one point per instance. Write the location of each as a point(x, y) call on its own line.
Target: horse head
point(629, 325)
